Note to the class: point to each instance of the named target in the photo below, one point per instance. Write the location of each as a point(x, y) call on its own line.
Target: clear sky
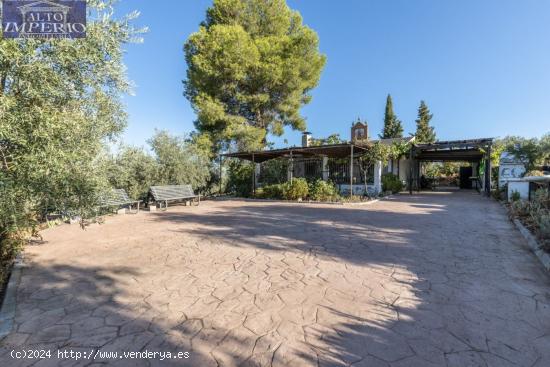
point(483, 67)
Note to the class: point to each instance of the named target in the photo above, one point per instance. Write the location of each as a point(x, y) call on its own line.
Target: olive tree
point(374, 153)
point(59, 105)
point(181, 161)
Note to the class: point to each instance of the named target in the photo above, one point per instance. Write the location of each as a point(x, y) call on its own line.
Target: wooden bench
point(119, 198)
point(164, 194)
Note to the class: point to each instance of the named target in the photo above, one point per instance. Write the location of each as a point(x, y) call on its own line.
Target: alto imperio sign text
point(44, 19)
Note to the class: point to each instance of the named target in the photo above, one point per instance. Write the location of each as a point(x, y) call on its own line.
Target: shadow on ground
point(438, 279)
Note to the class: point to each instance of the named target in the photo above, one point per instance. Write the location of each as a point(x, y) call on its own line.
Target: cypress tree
point(424, 132)
point(392, 125)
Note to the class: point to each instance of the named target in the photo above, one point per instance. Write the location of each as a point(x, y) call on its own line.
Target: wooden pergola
point(473, 150)
point(346, 150)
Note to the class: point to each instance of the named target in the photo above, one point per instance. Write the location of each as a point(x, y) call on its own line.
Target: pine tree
point(251, 67)
point(392, 125)
point(424, 132)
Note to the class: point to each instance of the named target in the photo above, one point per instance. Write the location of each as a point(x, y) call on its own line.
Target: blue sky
point(483, 67)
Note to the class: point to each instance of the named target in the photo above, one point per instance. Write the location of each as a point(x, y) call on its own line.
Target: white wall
point(400, 168)
point(520, 186)
point(404, 169)
point(358, 190)
point(378, 177)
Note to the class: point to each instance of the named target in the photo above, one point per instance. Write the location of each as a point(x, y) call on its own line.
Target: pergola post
point(324, 169)
point(351, 173)
point(291, 167)
point(411, 170)
point(253, 175)
point(418, 175)
point(221, 174)
point(488, 172)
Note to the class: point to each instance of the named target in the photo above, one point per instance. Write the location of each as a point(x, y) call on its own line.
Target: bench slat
point(116, 197)
point(172, 192)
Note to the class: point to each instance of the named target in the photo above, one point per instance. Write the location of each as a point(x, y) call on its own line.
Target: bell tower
point(359, 131)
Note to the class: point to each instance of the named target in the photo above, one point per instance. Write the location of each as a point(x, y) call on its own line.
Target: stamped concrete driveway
point(437, 279)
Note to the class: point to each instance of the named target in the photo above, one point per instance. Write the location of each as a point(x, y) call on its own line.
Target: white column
point(325, 168)
point(378, 177)
point(257, 170)
point(290, 168)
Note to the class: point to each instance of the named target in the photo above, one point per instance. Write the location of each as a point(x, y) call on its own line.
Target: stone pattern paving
point(438, 279)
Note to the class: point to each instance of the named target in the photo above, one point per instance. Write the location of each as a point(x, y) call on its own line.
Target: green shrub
point(515, 196)
point(180, 160)
point(534, 173)
point(296, 190)
point(323, 191)
point(520, 208)
point(134, 170)
point(272, 192)
point(543, 221)
point(240, 178)
point(498, 194)
point(391, 182)
point(260, 193)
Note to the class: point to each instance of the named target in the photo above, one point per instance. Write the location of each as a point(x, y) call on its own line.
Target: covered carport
point(472, 151)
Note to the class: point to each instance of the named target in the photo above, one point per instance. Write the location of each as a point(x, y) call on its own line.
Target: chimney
point(306, 139)
point(359, 131)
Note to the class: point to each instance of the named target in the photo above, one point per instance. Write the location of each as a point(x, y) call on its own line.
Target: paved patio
point(438, 279)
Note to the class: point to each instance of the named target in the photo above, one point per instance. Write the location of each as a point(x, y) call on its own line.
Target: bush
point(515, 196)
point(240, 178)
point(520, 209)
point(499, 194)
point(134, 170)
point(535, 214)
point(391, 182)
point(181, 161)
point(271, 192)
point(297, 190)
point(534, 173)
point(323, 191)
point(544, 225)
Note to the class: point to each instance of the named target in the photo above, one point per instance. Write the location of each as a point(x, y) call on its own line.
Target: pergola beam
point(474, 150)
point(488, 172)
point(351, 173)
point(331, 151)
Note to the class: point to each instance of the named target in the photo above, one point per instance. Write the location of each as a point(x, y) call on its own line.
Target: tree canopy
point(176, 160)
point(393, 128)
point(329, 140)
point(59, 105)
point(374, 153)
point(424, 132)
point(532, 151)
point(181, 161)
point(251, 67)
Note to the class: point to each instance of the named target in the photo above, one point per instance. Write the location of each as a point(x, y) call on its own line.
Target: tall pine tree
point(251, 67)
point(392, 125)
point(424, 132)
